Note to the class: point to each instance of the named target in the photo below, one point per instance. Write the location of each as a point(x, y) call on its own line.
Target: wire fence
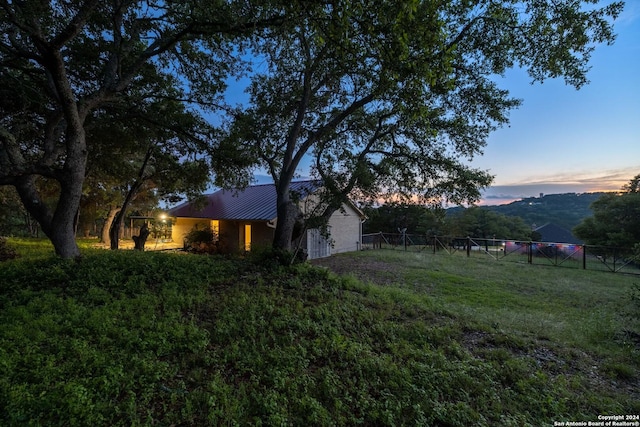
point(586, 257)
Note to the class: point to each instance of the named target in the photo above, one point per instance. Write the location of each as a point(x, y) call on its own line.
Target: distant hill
point(566, 210)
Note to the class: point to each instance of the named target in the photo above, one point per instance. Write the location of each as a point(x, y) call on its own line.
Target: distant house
point(247, 219)
point(553, 233)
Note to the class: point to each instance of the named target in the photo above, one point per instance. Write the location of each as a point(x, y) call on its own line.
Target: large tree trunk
point(116, 225)
point(114, 232)
point(58, 226)
point(106, 228)
point(142, 238)
point(287, 217)
point(64, 240)
point(63, 233)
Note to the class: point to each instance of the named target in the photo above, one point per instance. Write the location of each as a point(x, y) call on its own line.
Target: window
point(247, 237)
point(215, 227)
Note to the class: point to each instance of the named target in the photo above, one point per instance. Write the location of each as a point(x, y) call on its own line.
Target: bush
point(271, 257)
point(204, 240)
point(147, 339)
point(102, 340)
point(6, 251)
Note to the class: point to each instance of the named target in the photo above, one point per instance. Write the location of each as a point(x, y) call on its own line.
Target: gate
point(318, 246)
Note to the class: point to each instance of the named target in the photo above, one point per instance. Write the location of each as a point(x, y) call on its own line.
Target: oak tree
point(392, 98)
point(62, 63)
point(615, 220)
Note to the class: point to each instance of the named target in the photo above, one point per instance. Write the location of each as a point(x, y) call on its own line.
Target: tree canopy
point(615, 220)
point(379, 98)
point(64, 64)
point(392, 98)
point(486, 224)
point(414, 218)
point(475, 221)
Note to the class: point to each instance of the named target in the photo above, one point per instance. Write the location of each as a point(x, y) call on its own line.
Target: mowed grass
point(576, 307)
point(591, 310)
point(128, 338)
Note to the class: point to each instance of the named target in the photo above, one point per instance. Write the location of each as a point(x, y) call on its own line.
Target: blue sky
point(566, 140)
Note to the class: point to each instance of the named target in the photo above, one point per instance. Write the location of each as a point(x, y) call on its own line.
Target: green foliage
point(140, 338)
point(6, 251)
point(417, 219)
point(633, 186)
point(391, 98)
point(615, 220)
point(483, 223)
point(270, 257)
point(204, 240)
point(101, 341)
point(632, 316)
point(14, 220)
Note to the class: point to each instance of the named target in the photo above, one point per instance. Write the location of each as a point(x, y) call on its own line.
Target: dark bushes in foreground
point(130, 338)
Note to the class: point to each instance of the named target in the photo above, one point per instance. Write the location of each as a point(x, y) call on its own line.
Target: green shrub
point(139, 338)
point(204, 240)
point(6, 251)
point(102, 341)
point(269, 257)
point(635, 298)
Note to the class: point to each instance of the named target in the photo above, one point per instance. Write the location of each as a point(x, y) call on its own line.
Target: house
point(555, 234)
point(247, 219)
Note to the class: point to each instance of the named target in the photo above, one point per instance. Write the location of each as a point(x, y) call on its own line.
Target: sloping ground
point(555, 359)
point(130, 338)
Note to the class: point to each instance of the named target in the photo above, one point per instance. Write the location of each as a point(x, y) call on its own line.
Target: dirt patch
point(367, 270)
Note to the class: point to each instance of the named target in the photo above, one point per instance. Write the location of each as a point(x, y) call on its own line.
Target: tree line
point(565, 210)
point(103, 104)
point(613, 219)
point(476, 221)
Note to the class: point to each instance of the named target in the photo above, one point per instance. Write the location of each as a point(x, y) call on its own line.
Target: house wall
point(182, 226)
point(261, 235)
point(229, 235)
point(345, 225)
point(346, 230)
point(232, 233)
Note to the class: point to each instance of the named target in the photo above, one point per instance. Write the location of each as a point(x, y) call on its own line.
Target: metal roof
point(254, 203)
point(553, 233)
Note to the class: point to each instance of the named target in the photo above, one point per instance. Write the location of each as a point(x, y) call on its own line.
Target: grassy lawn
point(128, 338)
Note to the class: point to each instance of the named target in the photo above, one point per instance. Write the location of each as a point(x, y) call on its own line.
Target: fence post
point(584, 257)
point(530, 253)
point(468, 246)
point(435, 240)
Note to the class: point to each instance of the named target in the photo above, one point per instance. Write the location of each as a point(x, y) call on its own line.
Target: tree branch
point(75, 25)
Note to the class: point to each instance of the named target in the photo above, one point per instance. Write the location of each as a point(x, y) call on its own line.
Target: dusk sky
point(563, 140)
point(566, 140)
